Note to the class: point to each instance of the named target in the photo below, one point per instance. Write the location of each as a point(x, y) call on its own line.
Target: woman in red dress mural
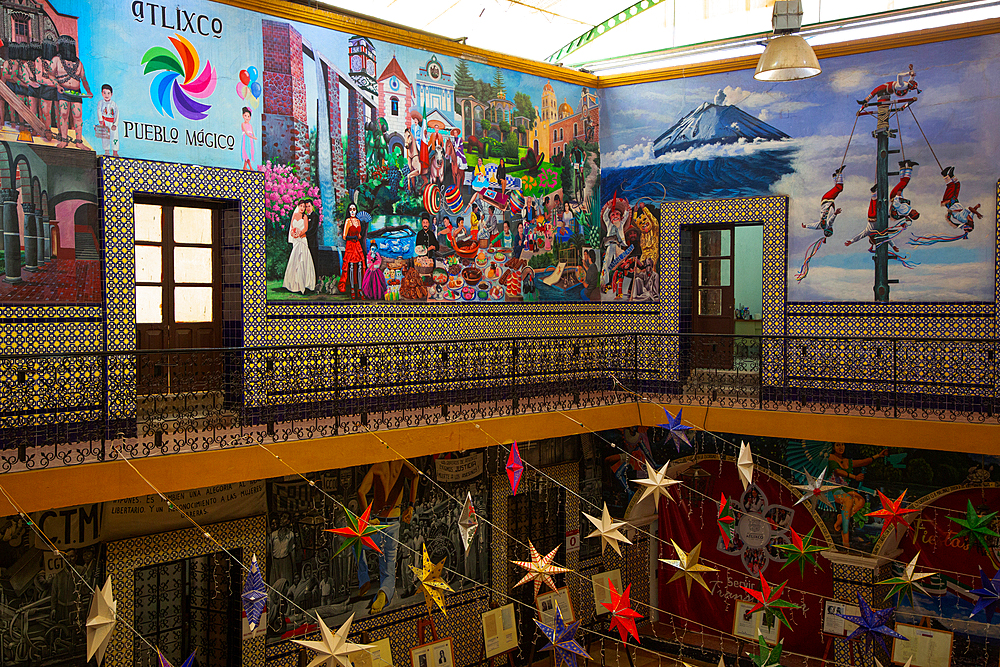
point(354, 254)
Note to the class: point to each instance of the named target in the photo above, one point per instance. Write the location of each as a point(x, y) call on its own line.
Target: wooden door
point(178, 294)
point(712, 309)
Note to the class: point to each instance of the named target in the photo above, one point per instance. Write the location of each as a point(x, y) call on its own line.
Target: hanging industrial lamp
point(787, 56)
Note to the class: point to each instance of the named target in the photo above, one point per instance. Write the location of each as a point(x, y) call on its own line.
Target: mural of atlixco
point(727, 135)
point(394, 174)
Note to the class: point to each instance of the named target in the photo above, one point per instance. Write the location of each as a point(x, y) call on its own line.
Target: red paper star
point(769, 599)
point(622, 615)
point(891, 514)
point(726, 521)
point(358, 532)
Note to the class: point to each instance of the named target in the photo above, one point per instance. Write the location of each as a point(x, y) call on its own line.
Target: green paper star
point(800, 551)
point(905, 583)
point(767, 656)
point(975, 527)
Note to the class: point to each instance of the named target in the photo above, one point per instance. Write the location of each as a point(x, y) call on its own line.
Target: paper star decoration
point(872, 624)
point(562, 640)
point(468, 523)
point(540, 568)
point(976, 528)
point(905, 583)
point(722, 663)
point(622, 615)
point(254, 595)
point(726, 520)
point(892, 513)
point(879, 664)
point(814, 489)
point(688, 567)
point(333, 648)
point(657, 484)
point(101, 621)
point(769, 599)
point(608, 530)
point(801, 550)
point(163, 662)
point(989, 596)
point(677, 431)
point(767, 656)
point(358, 532)
point(515, 468)
point(431, 583)
point(745, 465)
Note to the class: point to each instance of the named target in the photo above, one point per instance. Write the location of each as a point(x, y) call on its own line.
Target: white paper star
point(879, 664)
point(101, 621)
point(334, 647)
point(815, 489)
point(607, 530)
point(468, 523)
point(745, 465)
point(657, 484)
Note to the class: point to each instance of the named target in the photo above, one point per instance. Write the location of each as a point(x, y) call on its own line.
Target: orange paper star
point(540, 568)
point(892, 513)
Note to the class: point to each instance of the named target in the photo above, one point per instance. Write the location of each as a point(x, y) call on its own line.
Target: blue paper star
point(254, 596)
point(872, 624)
point(989, 595)
point(678, 431)
point(562, 640)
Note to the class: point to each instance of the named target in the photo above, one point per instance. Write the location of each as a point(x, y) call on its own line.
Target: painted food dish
point(472, 275)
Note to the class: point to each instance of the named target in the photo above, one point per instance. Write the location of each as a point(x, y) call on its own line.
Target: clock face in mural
point(393, 83)
point(370, 68)
point(355, 63)
point(434, 70)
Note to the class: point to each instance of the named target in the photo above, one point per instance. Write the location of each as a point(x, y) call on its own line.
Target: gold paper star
point(334, 647)
point(431, 583)
point(607, 530)
point(101, 621)
point(688, 567)
point(904, 584)
point(540, 568)
point(657, 484)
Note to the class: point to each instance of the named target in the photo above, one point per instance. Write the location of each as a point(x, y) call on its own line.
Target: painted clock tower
point(362, 63)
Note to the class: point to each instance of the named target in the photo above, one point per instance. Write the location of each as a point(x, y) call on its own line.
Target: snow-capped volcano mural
point(725, 135)
point(714, 123)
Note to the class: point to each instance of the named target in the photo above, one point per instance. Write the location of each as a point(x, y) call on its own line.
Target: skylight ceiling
point(536, 29)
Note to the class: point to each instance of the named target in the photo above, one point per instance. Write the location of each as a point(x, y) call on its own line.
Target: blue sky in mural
point(746, 155)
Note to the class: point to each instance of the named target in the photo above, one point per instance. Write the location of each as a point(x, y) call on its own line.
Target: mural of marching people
point(724, 136)
point(430, 178)
point(306, 565)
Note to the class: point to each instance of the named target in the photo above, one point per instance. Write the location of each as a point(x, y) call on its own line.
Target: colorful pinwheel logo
point(179, 80)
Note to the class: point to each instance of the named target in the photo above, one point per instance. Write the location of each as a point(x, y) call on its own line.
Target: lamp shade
point(787, 58)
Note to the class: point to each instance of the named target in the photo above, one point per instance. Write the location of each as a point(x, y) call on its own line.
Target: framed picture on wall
point(546, 605)
point(750, 626)
point(602, 592)
point(435, 654)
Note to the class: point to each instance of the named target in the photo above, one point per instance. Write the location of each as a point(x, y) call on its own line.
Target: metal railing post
point(514, 354)
point(895, 378)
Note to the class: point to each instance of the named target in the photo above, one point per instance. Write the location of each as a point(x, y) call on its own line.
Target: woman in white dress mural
point(300, 274)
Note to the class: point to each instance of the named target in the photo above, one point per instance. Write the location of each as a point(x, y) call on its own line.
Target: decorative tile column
point(854, 575)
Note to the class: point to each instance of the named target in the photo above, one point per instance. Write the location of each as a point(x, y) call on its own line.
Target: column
point(30, 239)
point(41, 233)
point(859, 575)
point(47, 237)
point(11, 236)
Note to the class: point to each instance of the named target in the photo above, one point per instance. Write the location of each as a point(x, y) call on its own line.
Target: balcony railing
point(65, 409)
